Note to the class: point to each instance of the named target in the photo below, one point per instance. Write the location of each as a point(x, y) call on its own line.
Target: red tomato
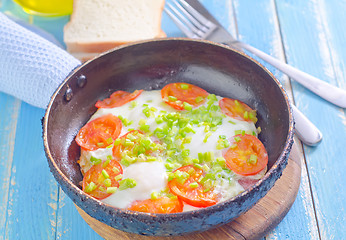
point(247, 155)
point(95, 175)
point(183, 92)
point(195, 196)
point(99, 133)
point(237, 109)
point(159, 205)
point(118, 99)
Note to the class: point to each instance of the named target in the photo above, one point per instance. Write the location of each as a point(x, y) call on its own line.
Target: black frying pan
point(151, 65)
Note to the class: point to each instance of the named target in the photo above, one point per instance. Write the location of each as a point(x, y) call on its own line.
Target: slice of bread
point(99, 25)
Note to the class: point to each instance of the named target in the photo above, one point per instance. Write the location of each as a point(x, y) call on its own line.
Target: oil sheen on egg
point(152, 176)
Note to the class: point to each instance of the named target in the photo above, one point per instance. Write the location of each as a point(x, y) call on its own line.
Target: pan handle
point(31, 67)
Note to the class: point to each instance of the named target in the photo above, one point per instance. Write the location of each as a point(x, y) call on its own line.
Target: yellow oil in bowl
point(52, 8)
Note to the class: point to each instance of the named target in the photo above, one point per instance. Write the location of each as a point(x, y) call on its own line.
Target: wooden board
point(254, 224)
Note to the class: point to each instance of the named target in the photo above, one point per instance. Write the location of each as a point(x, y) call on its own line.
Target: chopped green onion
point(133, 104)
point(259, 130)
point(105, 174)
point(127, 160)
point(128, 143)
point(195, 160)
point(127, 183)
point(112, 189)
point(172, 98)
point(118, 177)
point(91, 187)
point(184, 86)
point(115, 170)
point(197, 165)
point(237, 132)
point(199, 99)
point(144, 128)
point(209, 156)
point(117, 142)
point(187, 106)
point(151, 159)
point(205, 168)
point(158, 120)
point(191, 171)
point(105, 163)
point(252, 160)
point(221, 161)
point(185, 153)
point(212, 97)
point(237, 139)
point(233, 146)
point(193, 185)
point(95, 161)
point(246, 115)
point(201, 157)
point(154, 195)
point(252, 116)
point(207, 136)
point(107, 182)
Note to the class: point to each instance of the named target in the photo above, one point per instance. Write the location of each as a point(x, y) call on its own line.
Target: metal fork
point(195, 25)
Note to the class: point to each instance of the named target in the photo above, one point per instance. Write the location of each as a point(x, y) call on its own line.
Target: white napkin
point(31, 67)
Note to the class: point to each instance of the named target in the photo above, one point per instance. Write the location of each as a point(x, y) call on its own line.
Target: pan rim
point(60, 176)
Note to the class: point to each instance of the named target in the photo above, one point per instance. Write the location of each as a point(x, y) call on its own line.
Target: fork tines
point(189, 20)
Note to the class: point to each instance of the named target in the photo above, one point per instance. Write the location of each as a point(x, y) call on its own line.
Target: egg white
point(152, 176)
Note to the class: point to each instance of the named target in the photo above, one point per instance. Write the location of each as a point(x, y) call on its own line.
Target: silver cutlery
point(201, 25)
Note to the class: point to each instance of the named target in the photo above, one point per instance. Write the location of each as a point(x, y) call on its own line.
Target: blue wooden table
point(307, 34)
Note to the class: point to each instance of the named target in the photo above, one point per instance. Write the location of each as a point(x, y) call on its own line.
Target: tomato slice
point(160, 205)
point(247, 155)
point(118, 99)
point(175, 94)
point(100, 177)
point(237, 109)
point(99, 133)
point(197, 195)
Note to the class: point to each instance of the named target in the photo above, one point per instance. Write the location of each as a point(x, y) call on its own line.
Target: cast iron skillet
point(151, 65)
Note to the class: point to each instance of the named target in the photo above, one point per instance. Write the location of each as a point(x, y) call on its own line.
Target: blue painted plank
point(258, 26)
point(9, 111)
point(332, 14)
point(70, 225)
point(32, 197)
point(308, 29)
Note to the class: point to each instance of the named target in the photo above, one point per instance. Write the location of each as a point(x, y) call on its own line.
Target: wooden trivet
point(254, 224)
